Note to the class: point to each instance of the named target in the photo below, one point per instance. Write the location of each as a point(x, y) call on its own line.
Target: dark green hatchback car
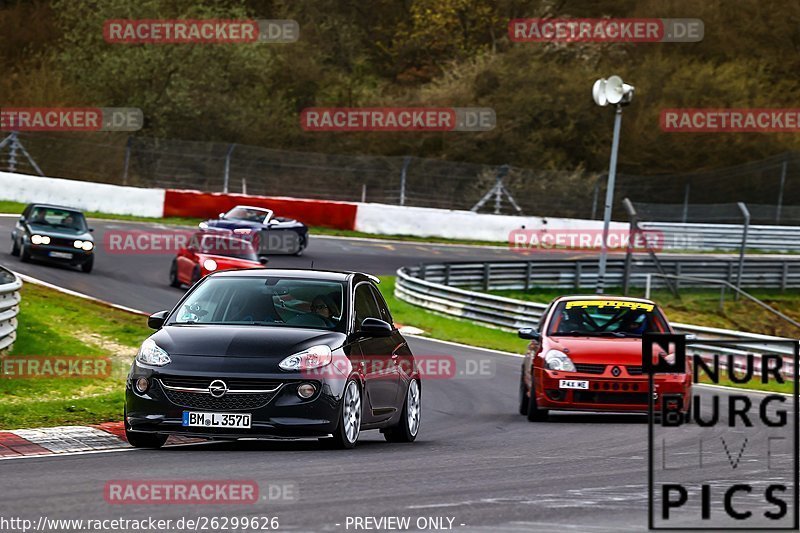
point(53, 233)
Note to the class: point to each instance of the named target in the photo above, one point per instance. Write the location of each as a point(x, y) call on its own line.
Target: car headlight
point(210, 264)
point(314, 357)
point(77, 244)
point(558, 360)
point(151, 354)
point(203, 225)
point(40, 239)
point(87, 245)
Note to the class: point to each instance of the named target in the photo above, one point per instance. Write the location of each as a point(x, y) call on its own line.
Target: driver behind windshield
point(597, 319)
point(322, 305)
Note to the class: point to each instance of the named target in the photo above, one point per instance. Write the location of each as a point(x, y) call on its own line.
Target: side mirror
point(263, 260)
point(156, 321)
point(221, 215)
point(91, 230)
point(375, 327)
point(528, 333)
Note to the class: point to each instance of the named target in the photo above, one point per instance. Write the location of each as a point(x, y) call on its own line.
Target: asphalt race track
point(476, 461)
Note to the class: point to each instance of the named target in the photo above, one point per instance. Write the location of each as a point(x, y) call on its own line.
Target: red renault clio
point(586, 355)
point(209, 252)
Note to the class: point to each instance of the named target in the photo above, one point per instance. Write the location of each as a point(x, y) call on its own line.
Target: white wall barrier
point(428, 222)
point(85, 195)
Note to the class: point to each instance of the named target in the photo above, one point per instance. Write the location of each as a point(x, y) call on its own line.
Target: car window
point(248, 214)
point(58, 218)
point(222, 244)
point(264, 301)
point(365, 305)
point(383, 309)
point(605, 318)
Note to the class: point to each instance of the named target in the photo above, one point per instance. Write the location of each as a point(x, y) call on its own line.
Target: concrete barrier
point(428, 222)
point(85, 195)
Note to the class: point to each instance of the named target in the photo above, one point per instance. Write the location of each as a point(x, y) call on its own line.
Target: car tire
point(196, 274)
point(14, 248)
point(534, 413)
point(523, 397)
point(410, 419)
point(173, 275)
point(25, 254)
point(349, 427)
point(86, 266)
point(143, 440)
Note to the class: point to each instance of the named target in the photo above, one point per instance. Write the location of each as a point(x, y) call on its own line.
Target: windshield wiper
point(620, 334)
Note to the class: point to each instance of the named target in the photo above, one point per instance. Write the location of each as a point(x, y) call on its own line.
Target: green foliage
point(418, 52)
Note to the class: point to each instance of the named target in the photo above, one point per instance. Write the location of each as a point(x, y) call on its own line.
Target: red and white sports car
point(586, 355)
point(209, 252)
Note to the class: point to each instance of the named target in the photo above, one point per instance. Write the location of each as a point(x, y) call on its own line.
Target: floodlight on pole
point(617, 93)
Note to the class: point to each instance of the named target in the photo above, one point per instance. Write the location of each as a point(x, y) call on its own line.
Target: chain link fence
point(771, 187)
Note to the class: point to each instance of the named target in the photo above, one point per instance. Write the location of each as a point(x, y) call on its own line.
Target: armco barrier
point(510, 314)
point(581, 274)
point(339, 215)
point(10, 285)
point(725, 237)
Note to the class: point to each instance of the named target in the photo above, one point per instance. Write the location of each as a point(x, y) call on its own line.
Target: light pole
point(617, 93)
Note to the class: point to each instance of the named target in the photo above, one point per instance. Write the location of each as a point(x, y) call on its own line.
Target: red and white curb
point(68, 440)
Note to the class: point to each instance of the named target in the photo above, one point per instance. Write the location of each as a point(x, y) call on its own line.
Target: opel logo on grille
point(616, 371)
point(217, 388)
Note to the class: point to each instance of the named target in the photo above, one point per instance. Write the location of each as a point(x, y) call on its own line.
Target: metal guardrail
point(773, 273)
point(725, 237)
point(10, 284)
point(434, 293)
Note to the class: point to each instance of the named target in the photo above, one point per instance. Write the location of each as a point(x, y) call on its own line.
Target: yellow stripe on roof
point(617, 304)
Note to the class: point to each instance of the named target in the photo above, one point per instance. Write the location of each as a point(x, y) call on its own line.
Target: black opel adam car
point(53, 233)
point(274, 354)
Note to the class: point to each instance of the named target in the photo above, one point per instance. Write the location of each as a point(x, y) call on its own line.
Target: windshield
point(249, 214)
point(228, 247)
point(58, 218)
point(264, 301)
point(613, 318)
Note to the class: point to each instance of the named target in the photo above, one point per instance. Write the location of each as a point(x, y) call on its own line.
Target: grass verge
point(445, 328)
point(52, 324)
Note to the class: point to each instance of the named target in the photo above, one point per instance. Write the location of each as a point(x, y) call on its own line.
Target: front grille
point(231, 401)
point(634, 370)
point(635, 398)
point(587, 368)
point(193, 382)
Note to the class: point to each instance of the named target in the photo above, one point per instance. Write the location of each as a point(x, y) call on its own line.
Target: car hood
point(264, 342)
point(620, 351)
point(64, 233)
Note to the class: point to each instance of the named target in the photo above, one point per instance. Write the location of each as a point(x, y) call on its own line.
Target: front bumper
point(78, 256)
point(608, 393)
point(282, 414)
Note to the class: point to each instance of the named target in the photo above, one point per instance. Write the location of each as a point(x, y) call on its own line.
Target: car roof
point(603, 297)
point(327, 275)
point(54, 206)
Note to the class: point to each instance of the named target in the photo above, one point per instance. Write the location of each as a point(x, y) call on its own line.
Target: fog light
point(141, 385)
point(306, 390)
